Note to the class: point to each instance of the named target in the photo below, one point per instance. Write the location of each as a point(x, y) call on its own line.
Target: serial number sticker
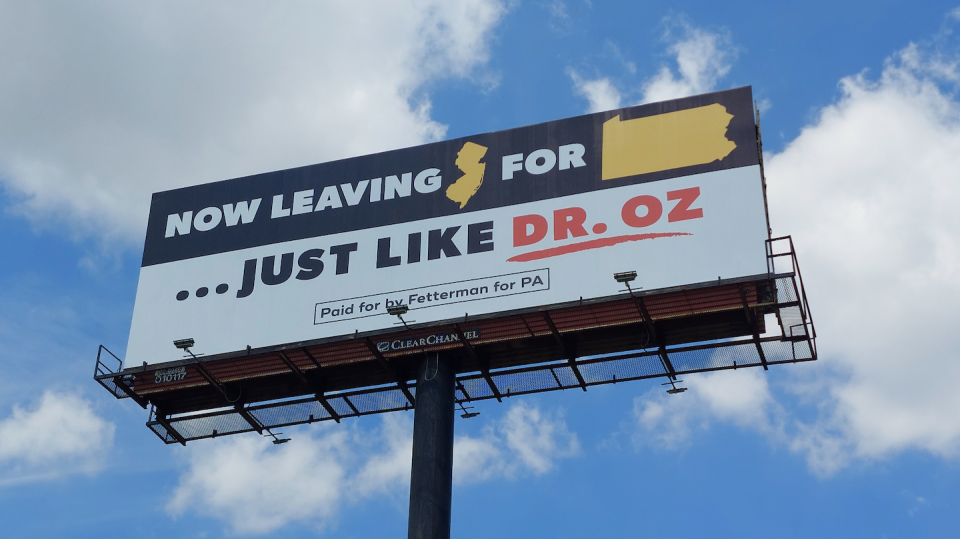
point(173, 374)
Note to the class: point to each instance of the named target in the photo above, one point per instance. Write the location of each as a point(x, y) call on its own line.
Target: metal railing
point(782, 248)
point(101, 371)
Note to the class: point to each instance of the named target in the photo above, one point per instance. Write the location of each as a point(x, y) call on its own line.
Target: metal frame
point(651, 357)
point(635, 365)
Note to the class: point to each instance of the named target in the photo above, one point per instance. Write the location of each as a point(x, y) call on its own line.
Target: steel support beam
point(385, 363)
point(310, 356)
point(752, 320)
point(119, 382)
point(667, 364)
point(211, 379)
point(645, 316)
point(326, 406)
point(294, 369)
point(431, 473)
point(315, 385)
point(252, 421)
point(237, 403)
point(350, 404)
point(480, 360)
point(165, 423)
point(571, 358)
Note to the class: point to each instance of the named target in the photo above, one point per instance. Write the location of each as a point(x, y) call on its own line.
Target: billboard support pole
point(431, 474)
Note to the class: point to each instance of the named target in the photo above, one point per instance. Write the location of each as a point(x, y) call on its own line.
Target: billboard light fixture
point(397, 310)
point(625, 276)
point(674, 390)
point(184, 344)
point(276, 440)
point(466, 414)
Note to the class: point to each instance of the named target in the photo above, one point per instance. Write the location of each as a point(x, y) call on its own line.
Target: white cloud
point(740, 397)
point(389, 469)
point(255, 487)
point(867, 190)
point(58, 435)
point(600, 93)
point(525, 441)
point(478, 459)
point(105, 102)
point(702, 57)
point(537, 439)
point(560, 20)
point(558, 9)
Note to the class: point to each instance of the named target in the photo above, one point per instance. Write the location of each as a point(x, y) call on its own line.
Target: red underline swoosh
point(591, 244)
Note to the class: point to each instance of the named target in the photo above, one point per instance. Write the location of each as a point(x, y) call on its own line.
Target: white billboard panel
point(508, 221)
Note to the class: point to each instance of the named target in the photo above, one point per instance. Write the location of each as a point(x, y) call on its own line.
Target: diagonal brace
point(385, 363)
point(162, 419)
point(119, 382)
point(565, 349)
point(482, 361)
point(311, 385)
point(752, 320)
point(667, 365)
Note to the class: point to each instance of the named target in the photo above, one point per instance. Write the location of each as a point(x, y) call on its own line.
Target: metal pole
point(431, 475)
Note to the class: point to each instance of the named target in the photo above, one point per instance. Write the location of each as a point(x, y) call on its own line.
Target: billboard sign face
point(513, 220)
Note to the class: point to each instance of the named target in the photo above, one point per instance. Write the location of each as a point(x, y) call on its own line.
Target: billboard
point(513, 220)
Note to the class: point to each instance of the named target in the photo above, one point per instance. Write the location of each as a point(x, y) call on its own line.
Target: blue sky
point(103, 103)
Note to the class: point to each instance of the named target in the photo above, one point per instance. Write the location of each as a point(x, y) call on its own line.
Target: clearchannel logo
point(430, 340)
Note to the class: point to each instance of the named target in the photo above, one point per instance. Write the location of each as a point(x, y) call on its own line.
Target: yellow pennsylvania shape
point(665, 141)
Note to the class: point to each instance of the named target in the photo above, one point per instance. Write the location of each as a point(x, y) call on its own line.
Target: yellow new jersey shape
point(468, 161)
point(665, 141)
